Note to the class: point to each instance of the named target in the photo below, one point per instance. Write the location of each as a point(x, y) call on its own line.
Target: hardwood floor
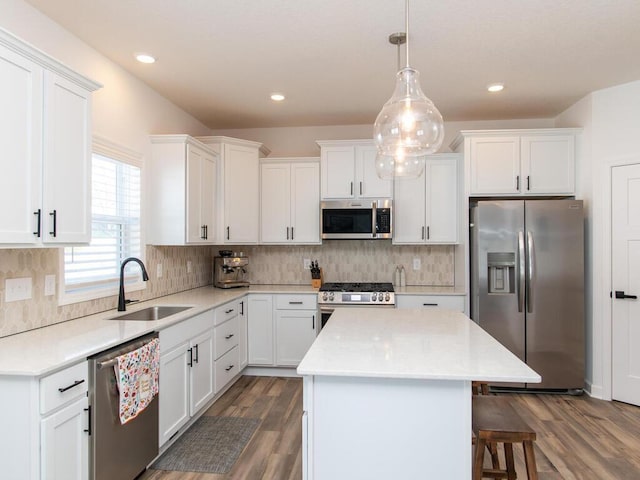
point(578, 437)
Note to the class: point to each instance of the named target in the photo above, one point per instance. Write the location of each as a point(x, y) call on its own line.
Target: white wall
point(611, 122)
point(301, 141)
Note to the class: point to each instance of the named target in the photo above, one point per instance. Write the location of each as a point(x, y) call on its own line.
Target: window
point(93, 271)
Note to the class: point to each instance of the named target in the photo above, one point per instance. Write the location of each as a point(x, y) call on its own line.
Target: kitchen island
point(387, 393)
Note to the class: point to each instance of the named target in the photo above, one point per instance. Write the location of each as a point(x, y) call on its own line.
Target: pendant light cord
point(406, 28)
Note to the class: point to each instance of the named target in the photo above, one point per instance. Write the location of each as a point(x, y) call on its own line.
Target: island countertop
point(434, 344)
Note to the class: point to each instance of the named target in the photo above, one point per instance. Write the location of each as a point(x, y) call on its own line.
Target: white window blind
point(93, 271)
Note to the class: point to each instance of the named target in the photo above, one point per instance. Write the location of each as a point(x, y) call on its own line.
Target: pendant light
point(399, 165)
point(409, 124)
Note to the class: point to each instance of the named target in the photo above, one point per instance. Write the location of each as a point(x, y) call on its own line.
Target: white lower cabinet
point(452, 302)
point(186, 372)
point(45, 422)
point(243, 318)
point(282, 327)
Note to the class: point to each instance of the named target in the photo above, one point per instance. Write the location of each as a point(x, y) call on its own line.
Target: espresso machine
point(230, 271)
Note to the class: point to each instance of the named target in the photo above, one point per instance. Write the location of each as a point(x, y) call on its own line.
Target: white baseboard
point(270, 372)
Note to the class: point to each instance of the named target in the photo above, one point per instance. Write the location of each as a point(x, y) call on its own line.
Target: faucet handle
point(130, 301)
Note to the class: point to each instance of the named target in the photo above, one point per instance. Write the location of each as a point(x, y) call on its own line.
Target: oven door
point(327, 310)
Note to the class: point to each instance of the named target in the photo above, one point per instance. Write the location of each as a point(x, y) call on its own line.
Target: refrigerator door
point(555, 292)
point(498, 283)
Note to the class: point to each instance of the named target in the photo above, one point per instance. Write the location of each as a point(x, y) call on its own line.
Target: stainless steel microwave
point(356, 219)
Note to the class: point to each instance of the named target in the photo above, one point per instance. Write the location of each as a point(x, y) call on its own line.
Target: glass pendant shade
point(389, 167)
point(409, 123)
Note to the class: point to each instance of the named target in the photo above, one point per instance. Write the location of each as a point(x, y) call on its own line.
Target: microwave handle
point(374, 219)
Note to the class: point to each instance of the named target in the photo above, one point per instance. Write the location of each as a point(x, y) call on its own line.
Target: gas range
point(356, 294)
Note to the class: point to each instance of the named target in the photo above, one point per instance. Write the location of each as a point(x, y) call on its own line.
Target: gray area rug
point(211, 445)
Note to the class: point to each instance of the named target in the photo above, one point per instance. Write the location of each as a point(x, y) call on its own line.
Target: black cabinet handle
point(428, 233)
point(429, 304)
point(291, 233)
point(206, 232)
point(528, 183)
point(517, 182)
point(351, 188)
point(228, 368)
point(228, 311)
point(622, 295)
point(190, 362)
point(313, 322)
point(88, 429)
point(54, 214)
point(75, 384)
point(295, 303)
point(38, 214)
point(242, 308)
point(229, 336)
point(195, 358)
point(228, 238)
point(360, 188)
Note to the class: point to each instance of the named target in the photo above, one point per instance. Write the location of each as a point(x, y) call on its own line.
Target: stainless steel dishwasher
point(118, 451)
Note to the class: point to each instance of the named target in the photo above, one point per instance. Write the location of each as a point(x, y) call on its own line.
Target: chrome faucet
point(121, 301)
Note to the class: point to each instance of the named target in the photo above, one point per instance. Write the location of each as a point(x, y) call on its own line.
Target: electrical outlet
point(307, 263)
point(16, 289)
point(189, 266)
point(49, 285)
point(159, 271)
point(417, 264)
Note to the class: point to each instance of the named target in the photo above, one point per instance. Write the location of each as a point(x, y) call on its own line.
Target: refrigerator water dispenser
point(502, 271)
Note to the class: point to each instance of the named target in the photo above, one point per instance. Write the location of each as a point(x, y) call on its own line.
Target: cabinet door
point(441, 200)
point(338, 169)
point(21, 147)
point(66, 162)
point(275, 203)
point(64, 448)
point(195, 230)
point(207, 196)
point(260, 330)
point(305, 203)
point(202, 358)
point(241, 189)
point(548, 164)
point(174, 391)
point(295, 332)
point(495, 166)
point(409, 210)
point(242, 333)
point(368, 184)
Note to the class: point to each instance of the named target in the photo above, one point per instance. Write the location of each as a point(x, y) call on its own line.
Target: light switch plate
point(16, 289)
point(49, 285)
point(306, 262)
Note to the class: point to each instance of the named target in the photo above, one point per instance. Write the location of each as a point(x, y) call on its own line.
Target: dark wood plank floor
point(578, 437)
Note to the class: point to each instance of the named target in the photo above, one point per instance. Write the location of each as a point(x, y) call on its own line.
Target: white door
point(495, 166)
point(241, 194)
point(260, 330)
point(174, 388)
point(548, 164)
point(338, 170)
point(295, 332)
point(195, 230)
point(369, 185)
point(65, 443)
point(20, 144)
point(201, 370)
point(441, 200)
point(409, 210)
point(275, 203)
point(67, 162)
point(242, 332)
point(305, 203)
point(625, 246)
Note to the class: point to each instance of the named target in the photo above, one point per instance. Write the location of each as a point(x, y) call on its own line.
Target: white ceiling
point(221, 59)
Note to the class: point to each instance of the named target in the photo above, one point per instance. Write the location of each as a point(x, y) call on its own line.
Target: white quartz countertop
point(44, 350)
point(411, 343)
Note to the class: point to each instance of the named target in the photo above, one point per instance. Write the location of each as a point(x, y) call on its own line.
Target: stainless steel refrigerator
point(527, 284)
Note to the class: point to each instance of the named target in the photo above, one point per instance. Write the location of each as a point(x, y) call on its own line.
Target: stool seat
point(494, 420)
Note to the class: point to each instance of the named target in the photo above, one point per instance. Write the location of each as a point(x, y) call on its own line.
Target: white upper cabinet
point(238, 189)
point(181, 191)
point(45, 136)
point(426, 208)
point(348, 170)
point(290, 201)
point(519, 162)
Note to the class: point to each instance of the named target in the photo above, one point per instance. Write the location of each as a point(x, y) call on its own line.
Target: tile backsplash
point(341, 261)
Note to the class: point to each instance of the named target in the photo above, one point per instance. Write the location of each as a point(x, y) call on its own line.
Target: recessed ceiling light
point(145, 58)
point(277, 97)
point(495, 87)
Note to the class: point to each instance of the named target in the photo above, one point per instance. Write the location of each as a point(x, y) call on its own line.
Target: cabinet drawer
point(225, 336)
point(227, 311)
point(63, 386)
point(183, 331)
point(296, 302)
point(452, 302)
point(226, 368)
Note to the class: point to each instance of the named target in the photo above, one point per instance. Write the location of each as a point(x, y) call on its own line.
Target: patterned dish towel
point(137, 377)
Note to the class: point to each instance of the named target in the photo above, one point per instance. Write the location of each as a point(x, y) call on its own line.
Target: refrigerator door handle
point(531, 257)
point(521, 270)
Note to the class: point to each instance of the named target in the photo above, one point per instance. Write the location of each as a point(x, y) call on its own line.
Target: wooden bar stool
point(494, 420)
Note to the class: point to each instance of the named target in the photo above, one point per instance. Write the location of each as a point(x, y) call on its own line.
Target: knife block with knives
point(316, 275)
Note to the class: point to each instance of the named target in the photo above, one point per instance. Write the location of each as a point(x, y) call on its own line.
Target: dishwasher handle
point(110, 359)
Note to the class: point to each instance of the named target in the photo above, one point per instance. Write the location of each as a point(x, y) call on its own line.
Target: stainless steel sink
point(151, 313)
